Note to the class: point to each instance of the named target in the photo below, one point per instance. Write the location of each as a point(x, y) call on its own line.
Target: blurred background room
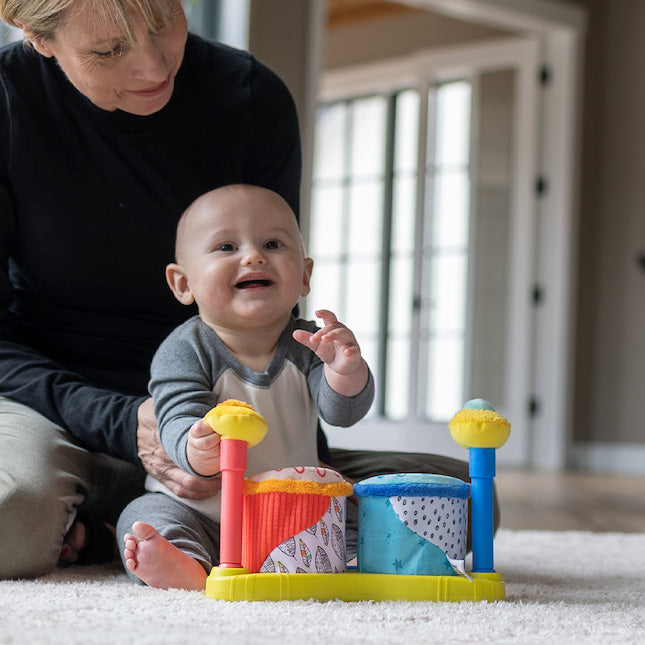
point(474, 199)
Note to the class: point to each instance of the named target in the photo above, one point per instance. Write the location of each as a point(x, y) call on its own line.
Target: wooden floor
point(572, 501)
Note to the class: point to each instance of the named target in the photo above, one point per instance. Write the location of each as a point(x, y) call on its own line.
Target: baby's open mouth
point(253, 284)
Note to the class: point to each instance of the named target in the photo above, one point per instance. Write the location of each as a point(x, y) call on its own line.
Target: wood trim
point(345, 12)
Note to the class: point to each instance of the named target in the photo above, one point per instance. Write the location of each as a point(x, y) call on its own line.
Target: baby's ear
point(306, 277)
point(178, 283)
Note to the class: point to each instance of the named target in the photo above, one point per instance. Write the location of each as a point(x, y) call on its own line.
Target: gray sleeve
point(181, 384)
point(335, 409)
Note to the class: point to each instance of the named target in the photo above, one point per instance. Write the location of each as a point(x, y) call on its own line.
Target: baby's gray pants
point(189, 530)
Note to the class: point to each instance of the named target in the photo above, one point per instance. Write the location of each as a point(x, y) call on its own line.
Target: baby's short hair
point(185, 217)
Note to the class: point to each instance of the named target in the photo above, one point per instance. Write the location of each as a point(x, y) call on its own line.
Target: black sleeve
point(99, 419)
point(7, 218)
point(6, 236)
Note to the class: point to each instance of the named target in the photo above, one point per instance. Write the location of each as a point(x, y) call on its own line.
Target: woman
point(112, 121)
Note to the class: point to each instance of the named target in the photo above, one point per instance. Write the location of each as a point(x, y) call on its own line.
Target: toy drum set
point(283, 531)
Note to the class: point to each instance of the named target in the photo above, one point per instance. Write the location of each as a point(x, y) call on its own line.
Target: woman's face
point(137, 78)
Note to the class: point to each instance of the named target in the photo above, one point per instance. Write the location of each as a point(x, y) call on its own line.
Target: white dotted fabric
point(440, 520)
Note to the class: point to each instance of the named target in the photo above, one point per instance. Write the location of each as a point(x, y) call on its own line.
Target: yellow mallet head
point(477, 425)
point(233, 419)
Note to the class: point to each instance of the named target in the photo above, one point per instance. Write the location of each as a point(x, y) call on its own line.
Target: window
point(446, 250)
point(422, 229)
point(9, 34)
point(223, 20)
point(363, 232)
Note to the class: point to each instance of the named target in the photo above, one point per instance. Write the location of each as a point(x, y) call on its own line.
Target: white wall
point(611, 326)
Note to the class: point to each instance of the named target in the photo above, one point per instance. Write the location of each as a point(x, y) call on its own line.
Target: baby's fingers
point(207, 444)
point(340, 335)
point(328, 317)
point(305, 338)
point(202, 429)
point(203, 437)
point(351, 350)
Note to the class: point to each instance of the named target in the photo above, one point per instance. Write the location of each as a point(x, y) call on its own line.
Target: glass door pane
point(346, 233)
point(446, 249)
point(404, 212)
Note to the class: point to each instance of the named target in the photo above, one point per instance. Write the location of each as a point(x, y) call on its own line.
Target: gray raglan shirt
point(193, 371)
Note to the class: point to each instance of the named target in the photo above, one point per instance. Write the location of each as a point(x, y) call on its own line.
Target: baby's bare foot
point(159, 563)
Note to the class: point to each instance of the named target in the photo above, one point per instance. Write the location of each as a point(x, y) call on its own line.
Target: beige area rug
point(562, 587)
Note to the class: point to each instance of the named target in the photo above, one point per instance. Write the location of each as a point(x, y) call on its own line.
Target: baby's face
point(243, 257)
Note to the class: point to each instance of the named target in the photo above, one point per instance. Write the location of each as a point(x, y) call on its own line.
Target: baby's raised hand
point(336, 346)
point(203, 449)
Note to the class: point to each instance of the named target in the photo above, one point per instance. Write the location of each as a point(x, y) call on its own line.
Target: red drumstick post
point(240, 428)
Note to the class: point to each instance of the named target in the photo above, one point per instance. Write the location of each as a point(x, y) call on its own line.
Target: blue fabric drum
point(412, 524)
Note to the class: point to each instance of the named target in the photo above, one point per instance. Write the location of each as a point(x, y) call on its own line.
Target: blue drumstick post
point(481, 430)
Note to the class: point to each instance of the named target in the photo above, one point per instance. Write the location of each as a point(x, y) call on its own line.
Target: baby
point(240, 257)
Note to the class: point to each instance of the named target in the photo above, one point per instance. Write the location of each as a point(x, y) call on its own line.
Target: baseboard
point(621, 459)
point(410, 437)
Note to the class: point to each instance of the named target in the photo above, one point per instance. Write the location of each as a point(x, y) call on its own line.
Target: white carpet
point(562, 587)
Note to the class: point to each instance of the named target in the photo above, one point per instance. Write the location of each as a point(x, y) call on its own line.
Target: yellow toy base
point(239, 584)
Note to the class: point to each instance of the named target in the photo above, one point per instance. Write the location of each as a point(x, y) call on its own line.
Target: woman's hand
point(157, 463)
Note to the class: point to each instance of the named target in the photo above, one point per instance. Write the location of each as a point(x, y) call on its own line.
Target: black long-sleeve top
point(89, 202)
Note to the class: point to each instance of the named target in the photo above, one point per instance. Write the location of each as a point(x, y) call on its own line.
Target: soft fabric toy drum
point(414, 524)
point(294, 521)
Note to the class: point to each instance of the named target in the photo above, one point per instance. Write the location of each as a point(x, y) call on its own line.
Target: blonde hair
point(43, 17)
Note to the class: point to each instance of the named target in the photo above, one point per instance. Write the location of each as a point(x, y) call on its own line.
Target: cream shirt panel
point(292, 420)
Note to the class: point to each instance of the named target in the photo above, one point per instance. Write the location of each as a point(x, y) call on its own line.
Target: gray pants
point(198, 536)
point(190, 531)
point(44, 478)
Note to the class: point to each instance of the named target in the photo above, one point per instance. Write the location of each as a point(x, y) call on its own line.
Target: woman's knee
point(33, 523)
point(38, 491)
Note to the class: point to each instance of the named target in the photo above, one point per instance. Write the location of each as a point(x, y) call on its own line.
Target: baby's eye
point(272, 244)
point(226, 246)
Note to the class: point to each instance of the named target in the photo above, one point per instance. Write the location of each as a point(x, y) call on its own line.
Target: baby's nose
point(254, 255)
